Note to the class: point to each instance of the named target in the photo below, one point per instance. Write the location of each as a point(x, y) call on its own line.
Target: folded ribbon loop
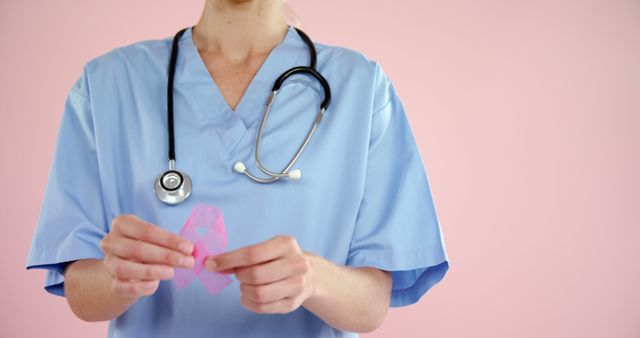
point(208, 221)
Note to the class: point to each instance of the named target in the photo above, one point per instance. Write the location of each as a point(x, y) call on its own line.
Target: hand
point(275, 275)
point(139, 254)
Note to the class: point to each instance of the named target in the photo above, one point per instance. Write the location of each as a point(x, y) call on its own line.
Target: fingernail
point(166, 272)
point(211, 264)
point(187, 261)
point(185, 247)
point(148, 286)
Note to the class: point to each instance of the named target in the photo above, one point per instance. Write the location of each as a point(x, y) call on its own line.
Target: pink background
point(527, 114)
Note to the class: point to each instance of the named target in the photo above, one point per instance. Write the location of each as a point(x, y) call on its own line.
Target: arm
point(349, 299)
point(137, 256)
point(276, 276)
point(89, 293)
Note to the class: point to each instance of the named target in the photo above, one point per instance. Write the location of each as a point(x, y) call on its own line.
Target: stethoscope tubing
point(177, 194)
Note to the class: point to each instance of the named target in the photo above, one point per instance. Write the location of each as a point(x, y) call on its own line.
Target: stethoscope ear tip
point(239, 167)
point(295, 174)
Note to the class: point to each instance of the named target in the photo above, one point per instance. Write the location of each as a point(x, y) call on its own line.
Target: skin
point(234, 38)
point(276, 275)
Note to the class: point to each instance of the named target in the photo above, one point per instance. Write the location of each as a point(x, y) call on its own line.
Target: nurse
point(322, 256)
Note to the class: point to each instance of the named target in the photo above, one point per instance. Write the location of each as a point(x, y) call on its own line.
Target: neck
point(240, 29)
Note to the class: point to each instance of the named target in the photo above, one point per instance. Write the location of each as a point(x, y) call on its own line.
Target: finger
point(268, 293)
point(133, 227)
point(134, 289)
point(140, 251)
point(285, 305)
point(272, 271)
point(126, 269)
point(253, 254)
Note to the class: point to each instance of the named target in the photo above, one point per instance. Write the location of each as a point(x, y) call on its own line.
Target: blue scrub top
point(363, 199)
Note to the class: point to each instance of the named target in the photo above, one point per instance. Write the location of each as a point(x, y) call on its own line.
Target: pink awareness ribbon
point(208, 220)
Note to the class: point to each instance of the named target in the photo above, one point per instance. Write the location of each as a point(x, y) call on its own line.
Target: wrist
point(319, 270)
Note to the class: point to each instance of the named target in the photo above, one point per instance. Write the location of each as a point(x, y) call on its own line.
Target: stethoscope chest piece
point(172, 186)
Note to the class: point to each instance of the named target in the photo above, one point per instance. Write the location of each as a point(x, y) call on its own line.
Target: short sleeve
point(72, 221)
point(397, 228)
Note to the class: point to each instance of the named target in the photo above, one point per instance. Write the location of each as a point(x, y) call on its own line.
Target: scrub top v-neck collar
point(232, 126)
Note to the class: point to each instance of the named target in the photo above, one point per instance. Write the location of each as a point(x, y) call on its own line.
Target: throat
point(233, 78)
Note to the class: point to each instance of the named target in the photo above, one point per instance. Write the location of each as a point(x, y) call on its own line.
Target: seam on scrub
point(422, 253)
point(419, 276)
point(363, 192)
point(376, 78)
point(382, 107)
point(364, 177)
point(105, 220)
point(77, 91)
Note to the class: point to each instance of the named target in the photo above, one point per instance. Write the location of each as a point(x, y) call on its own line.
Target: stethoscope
point(174, 186)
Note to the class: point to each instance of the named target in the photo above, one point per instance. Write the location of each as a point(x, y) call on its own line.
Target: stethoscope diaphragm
point(172, 186)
